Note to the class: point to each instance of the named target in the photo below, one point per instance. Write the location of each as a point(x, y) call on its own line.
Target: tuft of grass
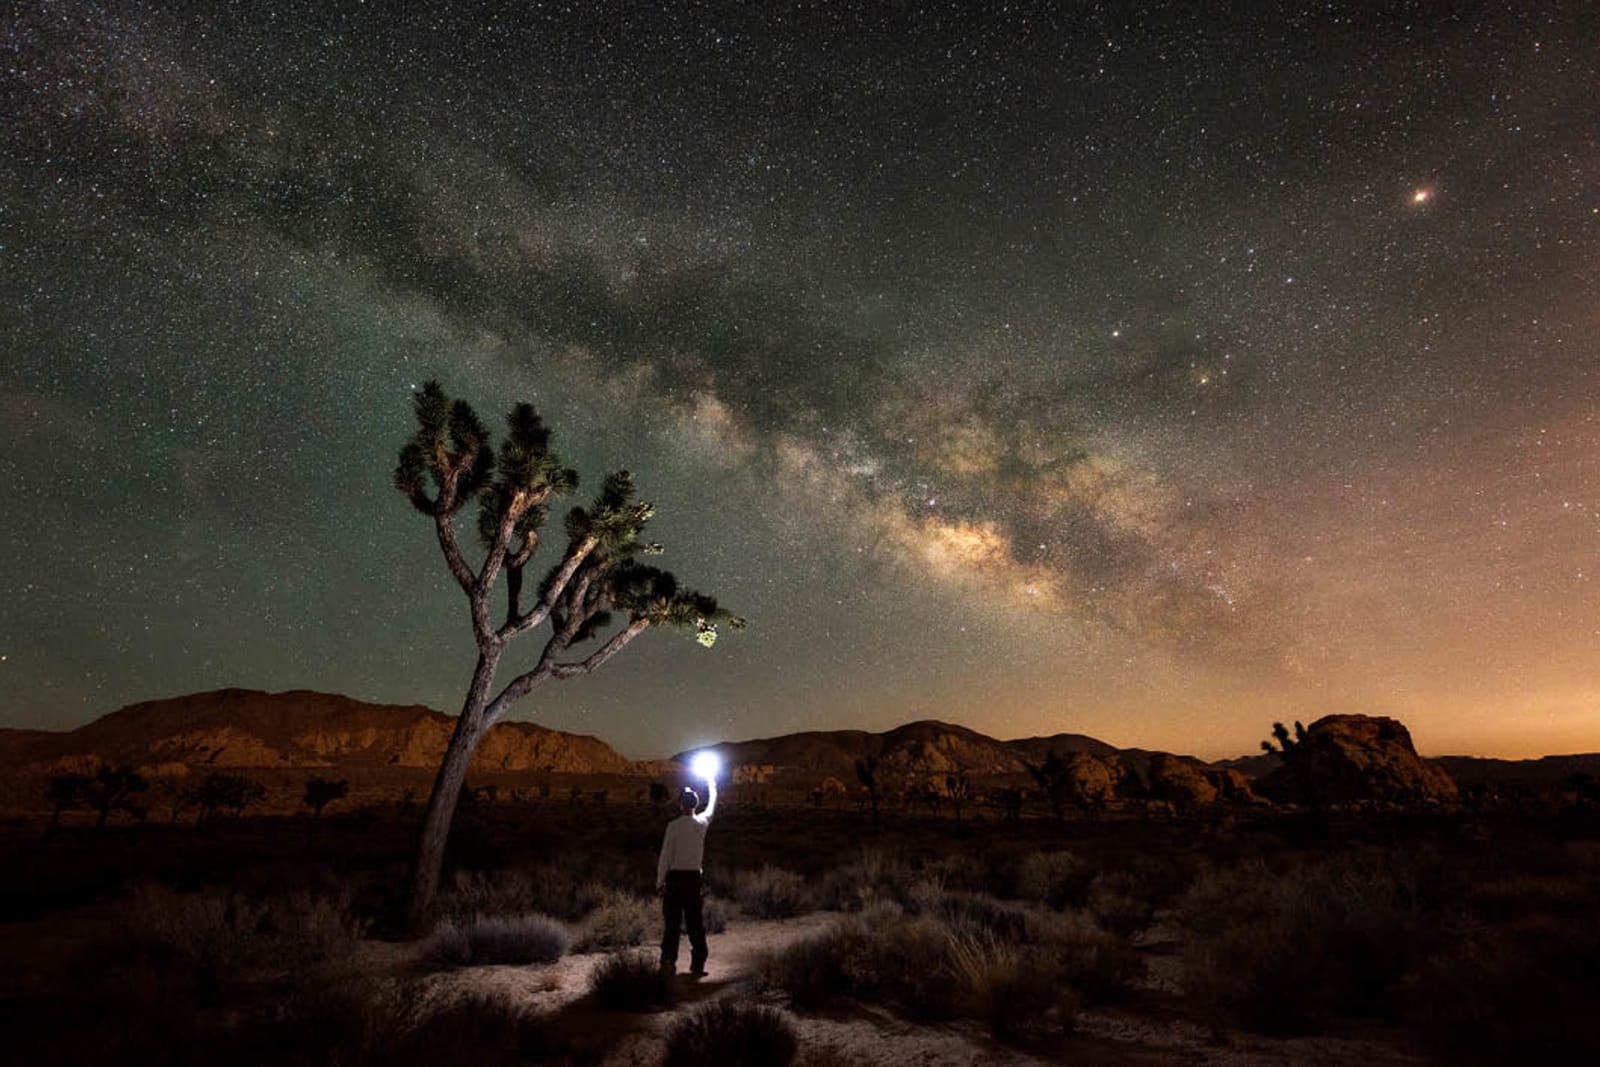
point(620, 921)
point(1058, 879)
point(873, 879)
point(731, 1033)
point(715, 913)
point(1016, 991)
point(771, 893)
point(494, 939)
point(1283, 950)
point(631, 981)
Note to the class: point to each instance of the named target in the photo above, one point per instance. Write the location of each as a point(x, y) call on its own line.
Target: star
point(1421, 196)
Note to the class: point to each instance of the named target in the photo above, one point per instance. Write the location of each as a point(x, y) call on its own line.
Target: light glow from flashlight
point(706, 765)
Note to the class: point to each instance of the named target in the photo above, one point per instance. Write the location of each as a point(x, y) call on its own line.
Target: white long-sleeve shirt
point(683, 848)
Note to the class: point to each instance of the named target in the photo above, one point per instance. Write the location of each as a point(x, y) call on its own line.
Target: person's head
point(688, 800)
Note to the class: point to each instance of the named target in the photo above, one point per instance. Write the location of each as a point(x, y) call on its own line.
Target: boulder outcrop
point(1349, 759)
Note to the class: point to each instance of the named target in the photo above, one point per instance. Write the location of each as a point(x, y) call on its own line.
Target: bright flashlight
point(706, 765)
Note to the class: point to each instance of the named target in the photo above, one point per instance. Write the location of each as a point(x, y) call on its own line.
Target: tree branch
point(597, 659)
point(446, 527)
point(515, 562)
point(558, 584)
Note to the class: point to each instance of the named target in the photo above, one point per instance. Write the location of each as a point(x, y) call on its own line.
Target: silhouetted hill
point(1545, 771)
point(242, 728)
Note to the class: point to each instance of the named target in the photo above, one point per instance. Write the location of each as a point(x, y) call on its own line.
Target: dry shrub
point(879, 956)
point(873, 879)
point(1281, 951)
point(555, 891)
point(731, 1033)
point(771, 893)
point(1058, 879)
point(1522, 993)
point(620, 921)
point(1117, 906)
point(715, 913)
point(1097, 966)
point(220, 935)
point(631, 981)
point(495, 939)
point(1016, 991)
point(977, 914)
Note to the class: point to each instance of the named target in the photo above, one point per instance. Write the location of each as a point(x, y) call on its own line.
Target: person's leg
point(695, 920)
point(671, 913)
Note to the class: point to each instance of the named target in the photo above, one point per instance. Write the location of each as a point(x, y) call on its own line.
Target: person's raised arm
point(711, 802)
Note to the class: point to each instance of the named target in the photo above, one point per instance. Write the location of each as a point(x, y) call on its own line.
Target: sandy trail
point(872, 1038)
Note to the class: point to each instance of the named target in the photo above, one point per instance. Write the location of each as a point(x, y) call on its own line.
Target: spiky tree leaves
point(596, 591)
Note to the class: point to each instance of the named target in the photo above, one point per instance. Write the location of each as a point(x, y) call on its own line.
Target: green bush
point(731, 1033)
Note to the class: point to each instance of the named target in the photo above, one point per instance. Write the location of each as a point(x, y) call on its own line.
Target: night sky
point(1147, 372)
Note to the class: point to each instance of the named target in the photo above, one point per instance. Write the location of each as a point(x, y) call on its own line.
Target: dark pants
point(681, 903)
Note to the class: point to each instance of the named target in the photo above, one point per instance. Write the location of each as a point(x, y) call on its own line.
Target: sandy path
point(872, 1038)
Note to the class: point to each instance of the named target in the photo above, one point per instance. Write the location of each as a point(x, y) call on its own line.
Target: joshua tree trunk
point(470, 728)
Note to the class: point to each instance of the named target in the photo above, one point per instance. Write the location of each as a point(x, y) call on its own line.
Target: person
point(678, 878)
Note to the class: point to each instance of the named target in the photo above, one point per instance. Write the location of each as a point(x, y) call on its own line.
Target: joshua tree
point(65, 791)
point(320, 792)
point(958, 789)
point(450, 462)
point(867, 774)
point(1054, 779)
point(1296, 757)
point(225, 792)
point(113, 789)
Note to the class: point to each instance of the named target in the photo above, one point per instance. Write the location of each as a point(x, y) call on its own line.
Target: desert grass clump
point(880, 956)
point(1285, 950)
point(1057, 879)
point(1015, 990)
point(979, 914)
point(631, 981)
point(1099, 967)
point(621, 920)
point(715, 913)
point(771, 893)
point(494, 939)
point(1117, 907)
point(221, 935)
point(872, 879)
point(1520, 993)
point(731, 1033)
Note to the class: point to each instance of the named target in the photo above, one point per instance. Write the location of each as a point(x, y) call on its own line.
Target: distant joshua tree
point(64, 792)
point(320, 792)
point(108, 790)
point(1054, 779)
point(867, 775)
point(450, 462)
point(1010, 800)
point(958, 789)
point(224, 792)
point(1296, 757)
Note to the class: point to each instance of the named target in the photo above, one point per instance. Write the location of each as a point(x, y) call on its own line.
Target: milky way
point(1147, 373)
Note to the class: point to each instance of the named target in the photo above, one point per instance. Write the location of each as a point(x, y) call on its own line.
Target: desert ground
point(1248, 937)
